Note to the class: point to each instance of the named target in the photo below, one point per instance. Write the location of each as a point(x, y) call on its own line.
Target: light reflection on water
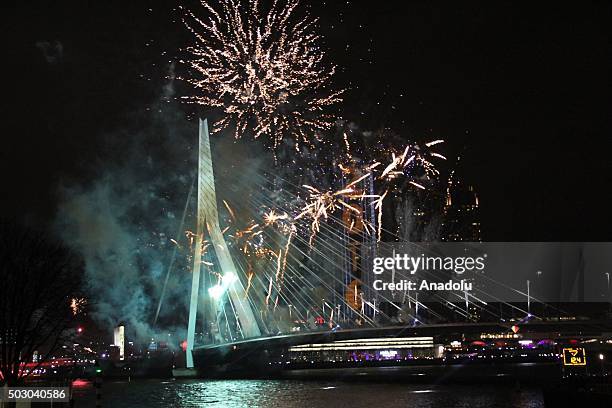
point(287, 394)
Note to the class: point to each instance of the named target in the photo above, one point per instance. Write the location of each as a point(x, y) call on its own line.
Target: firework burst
point(264, 69)
point(319, 205)
point(77, 305)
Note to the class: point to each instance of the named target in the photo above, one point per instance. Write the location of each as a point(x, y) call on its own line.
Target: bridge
point(433, 346)
point(282, 296)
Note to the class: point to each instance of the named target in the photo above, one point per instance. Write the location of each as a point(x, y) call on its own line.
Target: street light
point(528, 299)
point(608, 299)
point(601, 359)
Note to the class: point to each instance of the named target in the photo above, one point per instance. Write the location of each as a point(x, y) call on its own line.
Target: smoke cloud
point(124, 217)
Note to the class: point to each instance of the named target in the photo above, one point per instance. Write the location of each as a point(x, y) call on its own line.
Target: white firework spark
point(264, 69)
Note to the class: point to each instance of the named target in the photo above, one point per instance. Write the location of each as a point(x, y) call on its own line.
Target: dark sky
point(521, 91)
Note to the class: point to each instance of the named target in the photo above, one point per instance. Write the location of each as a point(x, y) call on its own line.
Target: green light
point(229, 278)
point(98, 370)
point(218, 290)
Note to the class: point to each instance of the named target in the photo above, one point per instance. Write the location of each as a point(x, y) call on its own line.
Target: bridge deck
point(565, 328)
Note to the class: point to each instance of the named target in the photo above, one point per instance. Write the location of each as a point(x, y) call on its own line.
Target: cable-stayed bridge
point(274, 297)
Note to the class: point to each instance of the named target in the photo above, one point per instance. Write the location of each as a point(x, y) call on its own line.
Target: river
point(287, 394)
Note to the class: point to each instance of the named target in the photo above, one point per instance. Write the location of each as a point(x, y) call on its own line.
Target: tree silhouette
point(38, 279)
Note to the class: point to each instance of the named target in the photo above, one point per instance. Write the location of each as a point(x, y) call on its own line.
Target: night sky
point(521, 92)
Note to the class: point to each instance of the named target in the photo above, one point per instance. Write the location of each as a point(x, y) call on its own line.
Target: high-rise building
point(119, 340)
point(461, 221)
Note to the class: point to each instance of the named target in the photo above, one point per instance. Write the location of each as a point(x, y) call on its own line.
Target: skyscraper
point(461, 221)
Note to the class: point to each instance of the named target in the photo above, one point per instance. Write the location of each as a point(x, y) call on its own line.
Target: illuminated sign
point(574, 357)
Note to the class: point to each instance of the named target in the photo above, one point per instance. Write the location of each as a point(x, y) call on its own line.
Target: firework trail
point(264, 69)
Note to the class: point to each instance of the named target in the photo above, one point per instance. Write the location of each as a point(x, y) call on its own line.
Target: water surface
point(287, 394)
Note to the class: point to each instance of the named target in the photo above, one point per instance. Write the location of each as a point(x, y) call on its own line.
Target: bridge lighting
point(216, 291)
point(229, 278)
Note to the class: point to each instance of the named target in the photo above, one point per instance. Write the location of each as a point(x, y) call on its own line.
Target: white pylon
point(208, 217)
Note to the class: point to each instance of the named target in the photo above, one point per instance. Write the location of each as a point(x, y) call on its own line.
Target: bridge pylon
point(208, 219)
